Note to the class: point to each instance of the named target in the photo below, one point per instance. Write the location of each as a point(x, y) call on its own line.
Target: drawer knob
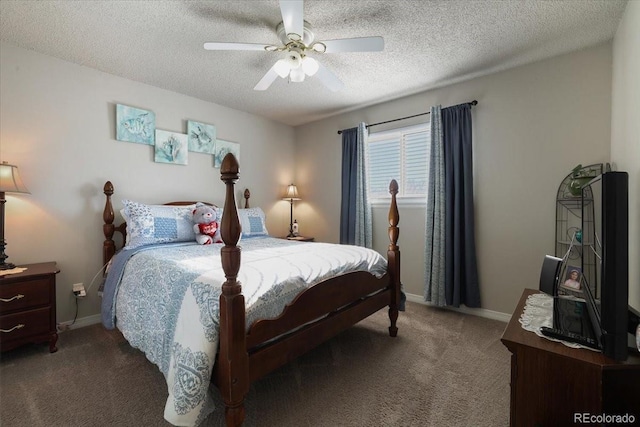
point(18, 326)
point(12, 298)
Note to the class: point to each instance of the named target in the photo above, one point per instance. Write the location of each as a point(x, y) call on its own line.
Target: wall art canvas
point(202, 137)
point(135, 125)
point(222, 148)
point(171, 147)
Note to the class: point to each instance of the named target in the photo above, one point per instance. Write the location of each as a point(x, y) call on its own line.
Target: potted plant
point(579, 177)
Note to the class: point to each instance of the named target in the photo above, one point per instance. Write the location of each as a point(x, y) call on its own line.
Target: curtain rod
point(472, 103)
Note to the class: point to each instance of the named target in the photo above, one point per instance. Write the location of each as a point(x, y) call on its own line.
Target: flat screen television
point(605, 232)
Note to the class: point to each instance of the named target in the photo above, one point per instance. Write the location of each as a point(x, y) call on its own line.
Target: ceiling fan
point(298, 41)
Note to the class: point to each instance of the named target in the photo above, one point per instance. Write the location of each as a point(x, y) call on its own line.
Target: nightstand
point(28, 307)
point(300, 239)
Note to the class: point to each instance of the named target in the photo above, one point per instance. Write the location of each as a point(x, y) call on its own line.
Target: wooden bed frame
point(313, 317)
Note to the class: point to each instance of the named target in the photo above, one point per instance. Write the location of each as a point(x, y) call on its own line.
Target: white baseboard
point(79, 323)
point(481, 312)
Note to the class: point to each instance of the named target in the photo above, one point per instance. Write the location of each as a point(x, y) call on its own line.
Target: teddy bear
point(205, 225)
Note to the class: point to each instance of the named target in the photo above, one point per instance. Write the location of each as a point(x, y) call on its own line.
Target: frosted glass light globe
point(282, 68)
point(297, 75)
point(309, 66)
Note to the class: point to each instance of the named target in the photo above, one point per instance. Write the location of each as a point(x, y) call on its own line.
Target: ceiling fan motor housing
point(307, 38)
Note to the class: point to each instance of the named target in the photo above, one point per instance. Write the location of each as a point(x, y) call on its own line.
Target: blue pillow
point(252, 221)
point(150, 224)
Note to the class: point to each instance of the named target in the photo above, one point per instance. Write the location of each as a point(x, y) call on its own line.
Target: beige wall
point(532, 125)
point(625, 129)
point(57, 123)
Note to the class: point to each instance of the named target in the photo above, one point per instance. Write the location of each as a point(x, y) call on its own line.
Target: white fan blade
point(292, 17)
point(268, 78)
point(234, 46)
point(329, 79)
point(359, 44)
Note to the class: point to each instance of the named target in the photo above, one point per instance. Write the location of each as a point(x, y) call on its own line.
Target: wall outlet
point(78, 290)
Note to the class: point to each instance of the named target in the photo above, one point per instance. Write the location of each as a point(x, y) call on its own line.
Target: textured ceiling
point(427, 44)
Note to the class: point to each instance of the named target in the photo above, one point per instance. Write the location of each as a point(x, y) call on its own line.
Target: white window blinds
point(401, 154)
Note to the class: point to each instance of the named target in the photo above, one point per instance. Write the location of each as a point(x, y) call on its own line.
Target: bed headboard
point(109, 229)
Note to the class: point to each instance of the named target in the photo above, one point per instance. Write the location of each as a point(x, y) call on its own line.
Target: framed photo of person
point(571, 283)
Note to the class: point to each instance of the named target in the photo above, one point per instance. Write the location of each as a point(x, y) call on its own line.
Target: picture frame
point(222, 148)
point(202, 137)
point(135, 125)
point(571, 283)
point(171, 147)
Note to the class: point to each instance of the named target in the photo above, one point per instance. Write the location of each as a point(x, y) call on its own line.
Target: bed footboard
point(316, 302)
point(326, 309)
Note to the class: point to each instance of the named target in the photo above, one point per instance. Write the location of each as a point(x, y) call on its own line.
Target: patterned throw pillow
point(252, 221)
point(150, 224)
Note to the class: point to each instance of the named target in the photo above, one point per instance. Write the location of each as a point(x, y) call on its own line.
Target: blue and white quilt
point(165, 301)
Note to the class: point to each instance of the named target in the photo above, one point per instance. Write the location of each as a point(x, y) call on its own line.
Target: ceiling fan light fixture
point(297, 75)
point(297, 40)
point(282, 67)
point(309, 66)
point(294, 59)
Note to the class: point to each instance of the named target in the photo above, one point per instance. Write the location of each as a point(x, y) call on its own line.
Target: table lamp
point(10, 182)
point(291, 195)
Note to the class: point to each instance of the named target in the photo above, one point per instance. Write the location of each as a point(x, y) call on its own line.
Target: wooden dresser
point(28, 307)
point(551, 382)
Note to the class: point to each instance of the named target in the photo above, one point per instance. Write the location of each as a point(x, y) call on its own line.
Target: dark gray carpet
point(443, 369)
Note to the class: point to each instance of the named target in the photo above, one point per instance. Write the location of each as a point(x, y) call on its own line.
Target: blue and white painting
point(135, 125)
point(171, 147)
point(222, 148)
point(202, 137)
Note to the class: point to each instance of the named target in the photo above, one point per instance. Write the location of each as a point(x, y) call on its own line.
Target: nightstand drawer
point(25, 324)
point(30, 293)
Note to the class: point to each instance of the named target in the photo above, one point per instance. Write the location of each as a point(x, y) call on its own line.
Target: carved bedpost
point(393, 258)
point(108, 247)
point(247, 194)
point(233, 359)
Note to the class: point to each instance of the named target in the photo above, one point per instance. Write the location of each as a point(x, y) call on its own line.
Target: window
point(401, 154)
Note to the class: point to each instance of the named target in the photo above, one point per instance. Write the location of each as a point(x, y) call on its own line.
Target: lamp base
point(7, 266)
